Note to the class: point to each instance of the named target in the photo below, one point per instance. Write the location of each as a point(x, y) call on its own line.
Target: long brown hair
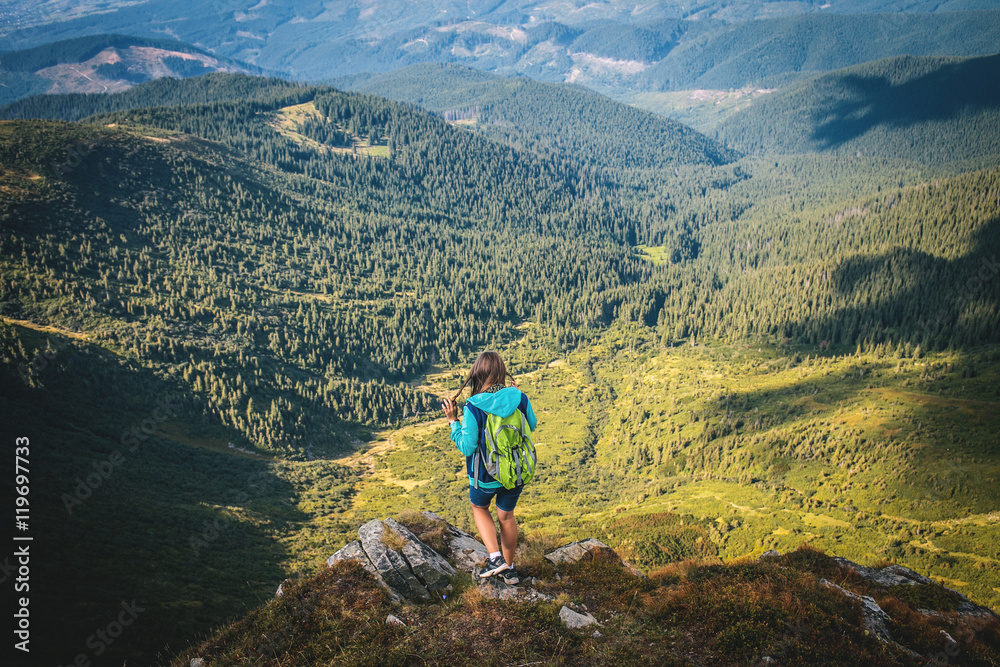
point(487, 371)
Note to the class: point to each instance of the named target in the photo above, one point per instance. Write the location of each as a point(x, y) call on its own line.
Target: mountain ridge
point(566, 119)
point(616, 47)
point(102, 64)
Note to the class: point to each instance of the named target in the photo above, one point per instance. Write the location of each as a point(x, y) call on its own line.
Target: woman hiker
point(490, 394)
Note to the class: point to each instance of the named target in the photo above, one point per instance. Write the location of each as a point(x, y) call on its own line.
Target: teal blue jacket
point(465, 435)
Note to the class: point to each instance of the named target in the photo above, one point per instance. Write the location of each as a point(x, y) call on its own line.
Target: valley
point(231, 305)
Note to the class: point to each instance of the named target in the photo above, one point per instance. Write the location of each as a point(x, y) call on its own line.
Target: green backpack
point(506, 448)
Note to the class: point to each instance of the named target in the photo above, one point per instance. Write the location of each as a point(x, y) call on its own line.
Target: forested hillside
point(929, 110)
point(581, 125)
point(892, 269)
point(343, 273)
point(162, 92)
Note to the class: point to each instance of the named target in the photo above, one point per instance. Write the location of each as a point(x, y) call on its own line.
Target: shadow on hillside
point(941, 94)
point(956, 303)
point(911, 296)
point(122, 513)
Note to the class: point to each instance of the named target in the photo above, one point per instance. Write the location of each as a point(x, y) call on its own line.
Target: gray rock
point(196, 662)
point(633, 570)
point(394, 620)
point(873, 616)
point(574, 552)
point(896, 575)
point(509, 594)
point(893, 575)
point(354, 551)
point(391, 564)
point(597, 634)
point(428, 565)
point(586, 549)
point(572, 619)
point(770, 553)
point(467, 552)
point(495, 587)
point(281, 588)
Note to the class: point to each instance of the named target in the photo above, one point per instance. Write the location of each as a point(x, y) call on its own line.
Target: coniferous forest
point(230, 306)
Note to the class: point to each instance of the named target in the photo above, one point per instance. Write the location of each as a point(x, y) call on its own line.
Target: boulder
point(466, 551)
point(394, 620)
point(429, 566)
point(893, 575)
point(587, 549)
point(873, 616)
point(575, 552)
point(354, 551)
point(390, 564)
point(572, 619)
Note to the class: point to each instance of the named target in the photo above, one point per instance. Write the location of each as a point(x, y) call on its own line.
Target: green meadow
point(719, 450)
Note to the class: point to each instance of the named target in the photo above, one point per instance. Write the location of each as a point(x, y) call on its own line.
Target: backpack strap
point(480, 417)
point(523, 405)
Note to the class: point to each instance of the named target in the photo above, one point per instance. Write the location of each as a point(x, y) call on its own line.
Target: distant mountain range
point(103, 64)
point(610, 46)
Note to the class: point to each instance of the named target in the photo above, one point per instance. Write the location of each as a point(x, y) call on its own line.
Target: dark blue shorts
point(506, 498)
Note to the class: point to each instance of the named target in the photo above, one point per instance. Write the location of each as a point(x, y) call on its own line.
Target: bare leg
point(508, 535)
point(487, 529)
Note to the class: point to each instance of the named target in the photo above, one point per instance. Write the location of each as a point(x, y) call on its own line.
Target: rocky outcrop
point(873, 616)
point(427, 565)
point(898, 575)
point(893, 575)
point(589, 549)
point(409, 569)
point(392, 566)
point(467, 552)
point(354, 551)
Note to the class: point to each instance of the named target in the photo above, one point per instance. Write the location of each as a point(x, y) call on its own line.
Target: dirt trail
point(47, 328)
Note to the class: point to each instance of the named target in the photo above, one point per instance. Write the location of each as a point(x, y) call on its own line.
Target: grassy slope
point(855, 454)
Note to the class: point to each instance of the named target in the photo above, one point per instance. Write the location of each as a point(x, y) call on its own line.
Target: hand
point(450, 409)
